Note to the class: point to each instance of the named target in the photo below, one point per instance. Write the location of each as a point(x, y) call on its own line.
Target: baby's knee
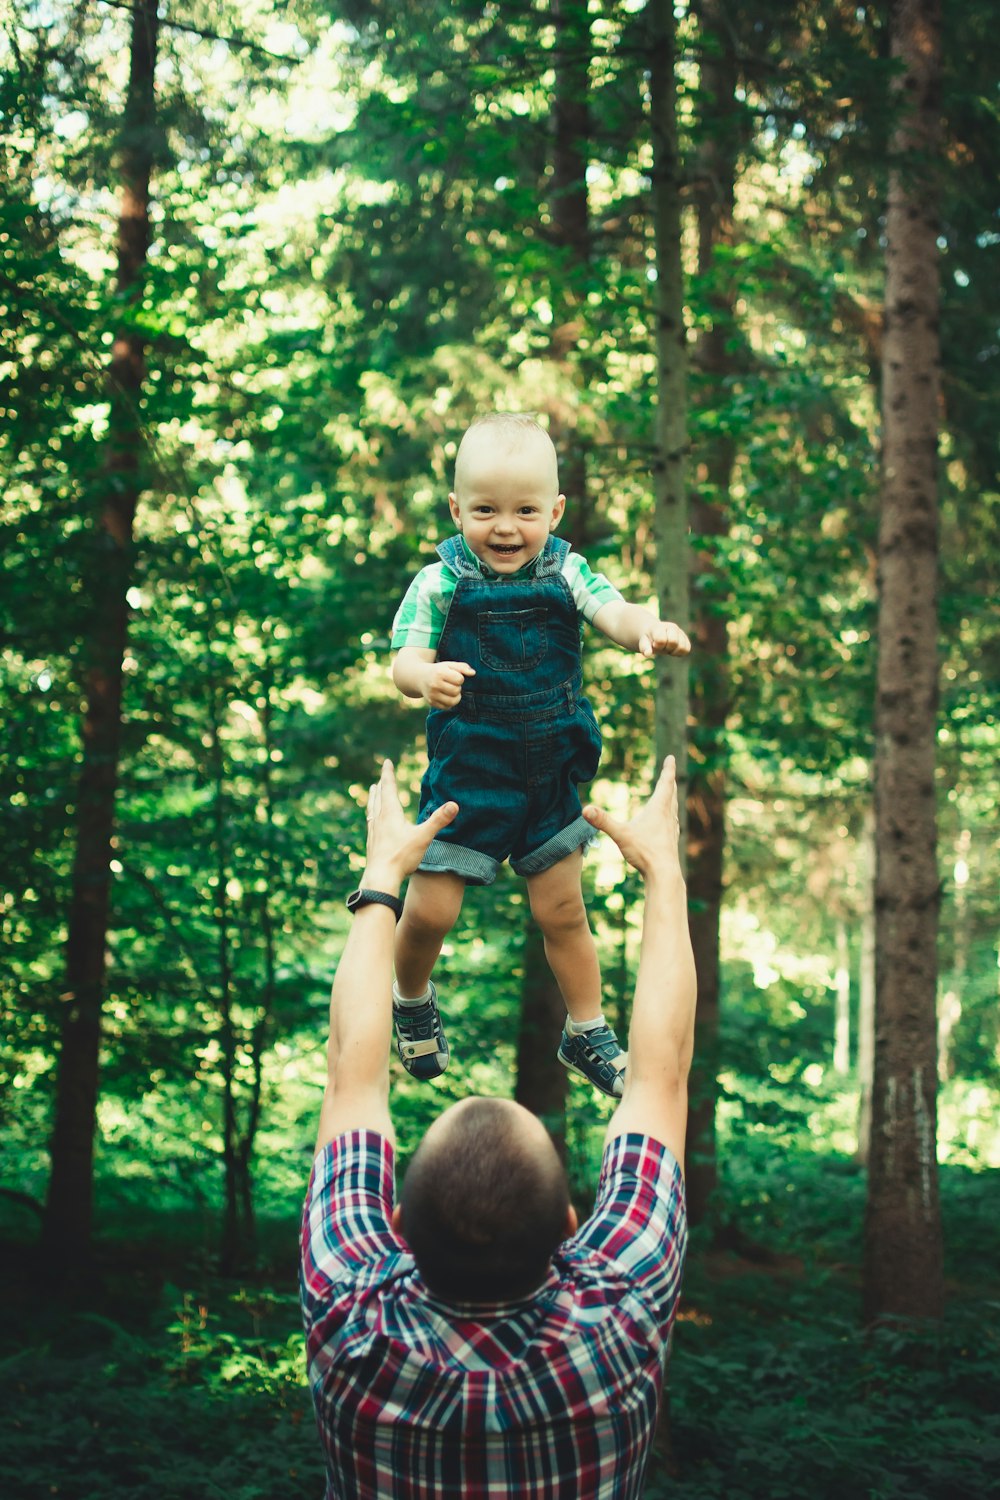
point(430, 912)
point(560, 915)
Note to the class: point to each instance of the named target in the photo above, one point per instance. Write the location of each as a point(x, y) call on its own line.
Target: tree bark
point(714, 194)
point(541, 1081)
point(670, 440)
point(903, 1252)
point(69, 1208)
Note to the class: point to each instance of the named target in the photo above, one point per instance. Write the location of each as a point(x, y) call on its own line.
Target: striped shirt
point(553, 1397)
point(421, 617)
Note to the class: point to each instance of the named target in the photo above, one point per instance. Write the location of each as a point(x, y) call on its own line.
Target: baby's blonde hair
point(514, 426)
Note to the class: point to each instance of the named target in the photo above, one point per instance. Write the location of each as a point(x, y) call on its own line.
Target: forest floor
point(161, 1380)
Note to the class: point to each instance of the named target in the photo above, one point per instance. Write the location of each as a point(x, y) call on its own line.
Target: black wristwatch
point(357, 899)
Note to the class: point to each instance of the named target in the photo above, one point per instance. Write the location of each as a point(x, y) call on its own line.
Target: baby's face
point(506, 500)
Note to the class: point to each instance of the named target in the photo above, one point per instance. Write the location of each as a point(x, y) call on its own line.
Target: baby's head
point(506, 499)
point(497, 439)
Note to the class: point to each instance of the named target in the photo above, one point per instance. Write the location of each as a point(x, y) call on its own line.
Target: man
point(471, 1341)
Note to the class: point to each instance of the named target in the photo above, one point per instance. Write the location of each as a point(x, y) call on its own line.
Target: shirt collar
point(484, 568)
point(487, 1312)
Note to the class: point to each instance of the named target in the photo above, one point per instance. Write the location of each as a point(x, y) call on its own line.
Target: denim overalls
point(512, 752)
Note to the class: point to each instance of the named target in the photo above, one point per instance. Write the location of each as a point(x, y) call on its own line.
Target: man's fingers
point(668, 771)
point(645, 646)
point(441, 817)
point(598, 818)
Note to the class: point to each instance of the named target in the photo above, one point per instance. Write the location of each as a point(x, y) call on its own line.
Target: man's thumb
point(443, 815)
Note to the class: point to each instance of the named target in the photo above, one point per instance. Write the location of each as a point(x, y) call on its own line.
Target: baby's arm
point(638, 629)
point(417, 673)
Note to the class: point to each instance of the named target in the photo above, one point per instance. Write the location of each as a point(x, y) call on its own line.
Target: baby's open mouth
point(506, 547)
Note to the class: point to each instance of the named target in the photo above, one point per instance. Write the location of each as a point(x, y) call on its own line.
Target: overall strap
point(452, 554)
point(552, 557)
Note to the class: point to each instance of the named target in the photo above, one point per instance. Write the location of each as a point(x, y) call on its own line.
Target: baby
point(489, 637)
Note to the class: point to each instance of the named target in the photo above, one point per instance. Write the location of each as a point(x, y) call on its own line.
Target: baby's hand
point(444, 682)
point(664, 636)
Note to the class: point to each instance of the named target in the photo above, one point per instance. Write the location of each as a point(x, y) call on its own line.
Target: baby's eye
point(529, 510)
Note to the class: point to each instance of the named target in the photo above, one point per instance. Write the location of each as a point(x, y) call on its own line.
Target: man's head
point(485, 1202)
point(506, 499)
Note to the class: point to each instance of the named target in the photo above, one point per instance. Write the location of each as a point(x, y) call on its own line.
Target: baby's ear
point(456, 514)
point(557, 512)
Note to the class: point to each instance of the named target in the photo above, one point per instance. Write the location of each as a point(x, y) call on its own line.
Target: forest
point(260, 266)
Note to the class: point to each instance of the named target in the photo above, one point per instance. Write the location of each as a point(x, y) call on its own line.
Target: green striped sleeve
point(420, 618)
point(591, 591)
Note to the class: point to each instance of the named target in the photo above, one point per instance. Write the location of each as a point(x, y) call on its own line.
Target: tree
point(714, 362)
point(671, 520)
point(542, 1083)
point(69, 1206)
point(903, 1248)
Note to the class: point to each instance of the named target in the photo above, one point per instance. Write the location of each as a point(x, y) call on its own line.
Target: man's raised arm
point(661, 1035)
point(356, 1096)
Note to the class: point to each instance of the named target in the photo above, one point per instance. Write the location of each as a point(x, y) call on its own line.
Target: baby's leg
point(433, 902)
point(588, 1046)
point(558, 907)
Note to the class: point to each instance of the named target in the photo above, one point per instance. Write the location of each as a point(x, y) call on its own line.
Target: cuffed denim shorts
point(513, 765)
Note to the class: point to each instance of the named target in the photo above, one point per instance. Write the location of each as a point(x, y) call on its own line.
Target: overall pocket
point(512, 640)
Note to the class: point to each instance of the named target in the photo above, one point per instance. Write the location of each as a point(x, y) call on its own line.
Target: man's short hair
point(484, 1206)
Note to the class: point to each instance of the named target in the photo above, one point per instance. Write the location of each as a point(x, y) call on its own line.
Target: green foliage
point(205, 1398)
point(174, 1383)
point(354, 249)
point(774, 1388)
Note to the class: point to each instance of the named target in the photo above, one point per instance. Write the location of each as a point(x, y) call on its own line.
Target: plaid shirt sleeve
point(421, 617)
point(346, 1223)
point(640, 1220)
point(591, 591)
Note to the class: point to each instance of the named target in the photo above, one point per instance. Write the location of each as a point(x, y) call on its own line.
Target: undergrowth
point(171, 1384)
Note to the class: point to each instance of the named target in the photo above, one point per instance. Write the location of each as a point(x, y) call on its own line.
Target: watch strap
point(363, 897)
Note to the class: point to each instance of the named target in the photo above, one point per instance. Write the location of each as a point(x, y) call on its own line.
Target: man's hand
point(442, 686)
point(664, 638)
point(395, 845)
point(649, 840)
point(661, 1030)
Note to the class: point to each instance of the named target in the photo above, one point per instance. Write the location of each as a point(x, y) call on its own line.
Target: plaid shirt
point(550, 1398)
point(421, 617)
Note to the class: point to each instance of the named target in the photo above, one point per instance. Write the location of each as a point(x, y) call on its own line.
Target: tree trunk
point(541, 1081)
point(706, 798)
point(670, 444)
point(69, 1209)
point(903, 1252)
